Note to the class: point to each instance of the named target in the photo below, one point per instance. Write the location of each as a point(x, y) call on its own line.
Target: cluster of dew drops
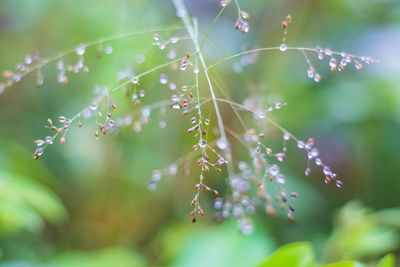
point(62, 127)
point(241, 203)
point(334, 62)
point(21, 69)
point(34, 63)
point(241, 22)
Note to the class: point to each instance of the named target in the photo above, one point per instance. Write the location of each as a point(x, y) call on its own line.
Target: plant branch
point(183, 13)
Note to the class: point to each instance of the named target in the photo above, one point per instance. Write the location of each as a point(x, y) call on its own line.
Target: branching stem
point(183, 13)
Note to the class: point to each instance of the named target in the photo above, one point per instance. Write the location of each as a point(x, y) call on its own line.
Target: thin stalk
point(45, 61)
point(182, 11)
point(275, 48)
point(212, 24)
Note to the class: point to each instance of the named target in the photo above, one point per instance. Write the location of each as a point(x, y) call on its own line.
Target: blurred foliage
point(302, 255)
point(86, 202)
point(24, 204)
point(360, 233)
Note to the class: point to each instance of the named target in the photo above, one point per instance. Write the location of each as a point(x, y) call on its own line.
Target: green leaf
point(25, 203)
point(298, 254)
point(360, 233)
point(113, 256)
point(181, 245)
point(387, 261)
point(342, 264)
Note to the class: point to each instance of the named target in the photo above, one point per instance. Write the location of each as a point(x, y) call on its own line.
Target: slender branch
point(114, 89)
point(44, 61)
point(182, 11)
point(212, 24)
point(275, 48)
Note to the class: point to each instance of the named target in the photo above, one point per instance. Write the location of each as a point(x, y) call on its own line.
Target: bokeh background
point(86, 203)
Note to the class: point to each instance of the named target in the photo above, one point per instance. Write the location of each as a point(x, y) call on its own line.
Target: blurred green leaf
point(295, 255)
point(343, 264)
point(14, 155)
point(114, 256)
point(221, 245)
point(387, 261)
point(24, 204)
point(361, 233)
point(23, 264)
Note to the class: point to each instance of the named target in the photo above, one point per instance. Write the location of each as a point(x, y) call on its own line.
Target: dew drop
point(317, 77)
point(328, 52)
point(61, 78)
point(327, 171)
point(202, 143)
point(286, 136)
point(247, 227)
point(172, 86)
point(333, 62)
point(244, 14)
point(135, 80)
point(163, 79)
point(300, 144)
point(314, 152)
point(183, 67)
point(80, 50)
point(280, 157)
point(218, 203)
point(28, 60)
point(174, 98)
point(343, 62)
point(108, 49)
point(94, 106)
point(260, 115)
point(39, 151)
point(152, 186)
point(62, 119)
point(172, 169)
point(146, 112)
point(223, 2)
point(283, 47)
point(273, 170)
point(222, 143)
point(358, 65)
point(245, 27)
point(281, 179)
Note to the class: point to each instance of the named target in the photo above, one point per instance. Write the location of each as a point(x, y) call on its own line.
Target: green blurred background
point(86, 203)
